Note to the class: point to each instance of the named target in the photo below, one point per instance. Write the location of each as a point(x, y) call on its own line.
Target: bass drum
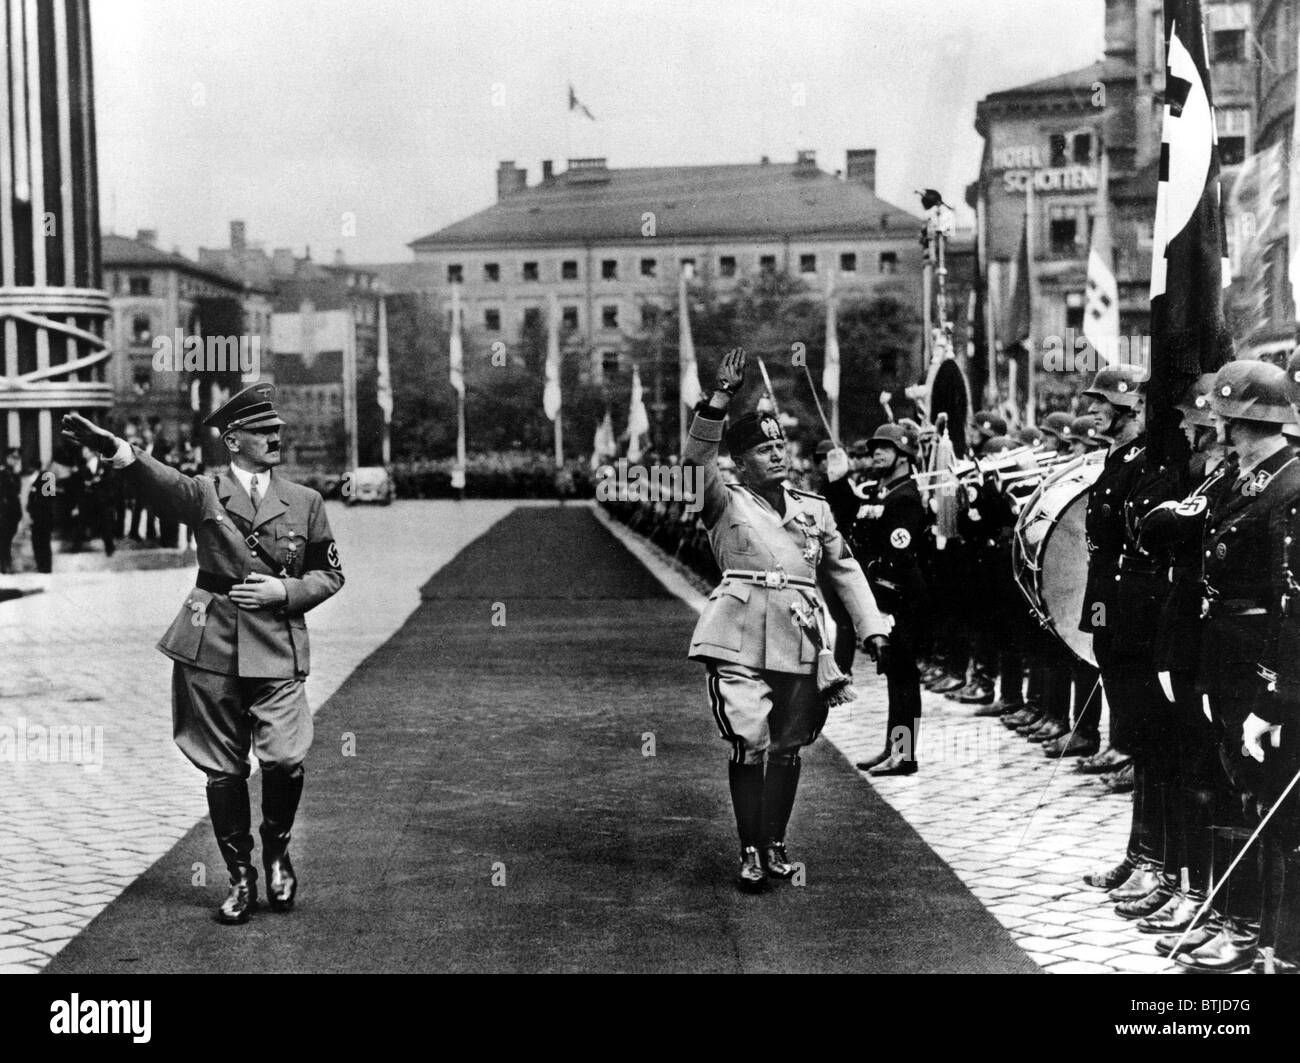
point(1049, 554)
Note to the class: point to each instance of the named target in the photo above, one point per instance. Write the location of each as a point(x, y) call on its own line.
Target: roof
point(688, 202)
point(124, 251)
point(1084, 79)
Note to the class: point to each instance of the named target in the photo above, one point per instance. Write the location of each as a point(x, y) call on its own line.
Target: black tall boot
point(1286, 927)
point(747, 800)
point(780, 785)
point(1235, 946)
point(281, 791)
point(231, 823)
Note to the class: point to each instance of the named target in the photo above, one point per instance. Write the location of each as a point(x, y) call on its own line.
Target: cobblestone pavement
point(93, 789)
point(971, 802)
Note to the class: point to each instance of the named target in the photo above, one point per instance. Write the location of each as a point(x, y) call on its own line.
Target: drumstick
point(1043, 793)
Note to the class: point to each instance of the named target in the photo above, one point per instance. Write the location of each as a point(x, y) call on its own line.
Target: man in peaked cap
point(239, 644)
point(780, 551)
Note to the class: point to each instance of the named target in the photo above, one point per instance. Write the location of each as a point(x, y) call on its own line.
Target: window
point(139, 286)
point(455, 273)
point(1063, 234)
point(532, 318)
point(1082, 148)
point(888, 261)
point(1233, 125)
point(807, 263)
point(609, 269)
point(569, 317)
point(530, 271)
point(609, 363)
point(848, 262)
point(649, 267)
point(727, 265)
point(1232, 150)
point(767, 263)
point(1057, 150)
point(609, 317)
point(141, 329)
point(1228, 46)
point(649, 316)
point(688, 266)
point(492, 320)
point(569, 270)
point(491, 272)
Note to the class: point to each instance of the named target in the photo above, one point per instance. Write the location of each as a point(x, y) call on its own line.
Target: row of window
point(649, 267)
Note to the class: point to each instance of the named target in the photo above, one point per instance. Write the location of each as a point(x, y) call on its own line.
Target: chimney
point(237, 236)
point(860, 165)
point(510, 179)
point(282, 262)
point(547, 170)
point(806, 159)
point(764, 161)
point(147, 236)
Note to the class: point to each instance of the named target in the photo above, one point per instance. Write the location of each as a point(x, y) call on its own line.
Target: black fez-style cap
point(252, 408)
point(752, 430)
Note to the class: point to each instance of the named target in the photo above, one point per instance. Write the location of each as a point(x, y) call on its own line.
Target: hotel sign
point(1025, 165)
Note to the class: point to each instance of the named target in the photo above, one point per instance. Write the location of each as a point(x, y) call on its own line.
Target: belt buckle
point(252, 541)
point(775, 580)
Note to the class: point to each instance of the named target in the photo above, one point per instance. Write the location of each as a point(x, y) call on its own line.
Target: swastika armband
point(322, 555)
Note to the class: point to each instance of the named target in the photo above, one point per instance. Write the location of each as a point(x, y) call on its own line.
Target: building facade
point(611, 244)
point(159, 299)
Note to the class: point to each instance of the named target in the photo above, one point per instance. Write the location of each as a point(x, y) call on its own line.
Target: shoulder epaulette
point(807, 494)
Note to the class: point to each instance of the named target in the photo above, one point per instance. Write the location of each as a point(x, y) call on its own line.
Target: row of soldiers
point(1193, 609)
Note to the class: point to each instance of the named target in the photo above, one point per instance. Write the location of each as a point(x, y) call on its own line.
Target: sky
point(361, 125)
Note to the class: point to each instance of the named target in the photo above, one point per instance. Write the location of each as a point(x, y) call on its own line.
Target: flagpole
point(387, 442)
point(1031, 404)
point(990, 339)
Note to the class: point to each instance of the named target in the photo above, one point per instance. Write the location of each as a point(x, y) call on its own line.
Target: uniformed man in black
point(1250, 650)
point(886, 535)
point(1128, 681)
point(1196, 799)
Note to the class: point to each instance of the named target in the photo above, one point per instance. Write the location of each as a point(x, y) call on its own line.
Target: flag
point(831, 363)
point(551, 392)
point(456, 352)
point(1294, 208)
point(1101, 309)
point(1020, 313)
point(603, 446)
point(576, 105)
point(384, 387)
point(690, 371)
point(638, 421)
point(1255, 225)
point(1189, 335)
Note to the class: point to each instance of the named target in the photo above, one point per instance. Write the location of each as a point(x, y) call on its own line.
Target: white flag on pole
point(638, 421)
point(831, 364)
point(457, 350)
point(551, 393)
point(690, 372)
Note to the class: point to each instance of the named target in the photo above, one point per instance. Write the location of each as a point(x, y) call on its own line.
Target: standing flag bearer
point(266, 557)
point(777, 549)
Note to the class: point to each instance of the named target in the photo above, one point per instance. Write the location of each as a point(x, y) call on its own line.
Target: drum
point(1049, 554)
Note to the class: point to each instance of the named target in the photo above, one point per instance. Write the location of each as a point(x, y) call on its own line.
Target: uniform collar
point(1269, 462)
point(792, 504)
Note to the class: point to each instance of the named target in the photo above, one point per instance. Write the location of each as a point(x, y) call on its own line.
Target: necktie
point(255, 495)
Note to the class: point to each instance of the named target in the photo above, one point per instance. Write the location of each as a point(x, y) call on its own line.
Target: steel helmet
point(1250, 390)
point(1119, 385)
point(902, 438)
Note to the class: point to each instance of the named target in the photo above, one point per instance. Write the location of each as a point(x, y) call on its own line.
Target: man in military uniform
point(1250, 647)
point(266, 556)
point(11, 509)
point(775, 547)
point(886, 533)
point(1129, 682)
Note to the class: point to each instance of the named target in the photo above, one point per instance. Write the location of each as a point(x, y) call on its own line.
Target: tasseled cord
point(834, 686)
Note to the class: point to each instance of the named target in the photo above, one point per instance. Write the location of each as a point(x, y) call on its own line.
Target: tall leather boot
point(1286, 937)
point(747, 800)
point(281, 792)
point(780, 785)
point(1235, 946)
point(231, 823)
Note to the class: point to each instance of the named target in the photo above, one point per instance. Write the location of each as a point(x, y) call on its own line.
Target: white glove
point(1253, 730)
point(1167, 685)
point(1205, 707)
point(837, 464)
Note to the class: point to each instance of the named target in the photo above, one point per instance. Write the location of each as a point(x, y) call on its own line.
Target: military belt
point(774, 580)
point(1142, 566)
point(214, 584)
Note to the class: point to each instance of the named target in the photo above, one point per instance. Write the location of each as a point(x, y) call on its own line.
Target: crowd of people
point(76, 499)
point(1189, 606)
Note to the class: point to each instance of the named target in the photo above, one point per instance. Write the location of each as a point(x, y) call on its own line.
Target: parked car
point(370, 483)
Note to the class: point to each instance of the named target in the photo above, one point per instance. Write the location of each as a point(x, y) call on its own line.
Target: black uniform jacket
point(1104, 529)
